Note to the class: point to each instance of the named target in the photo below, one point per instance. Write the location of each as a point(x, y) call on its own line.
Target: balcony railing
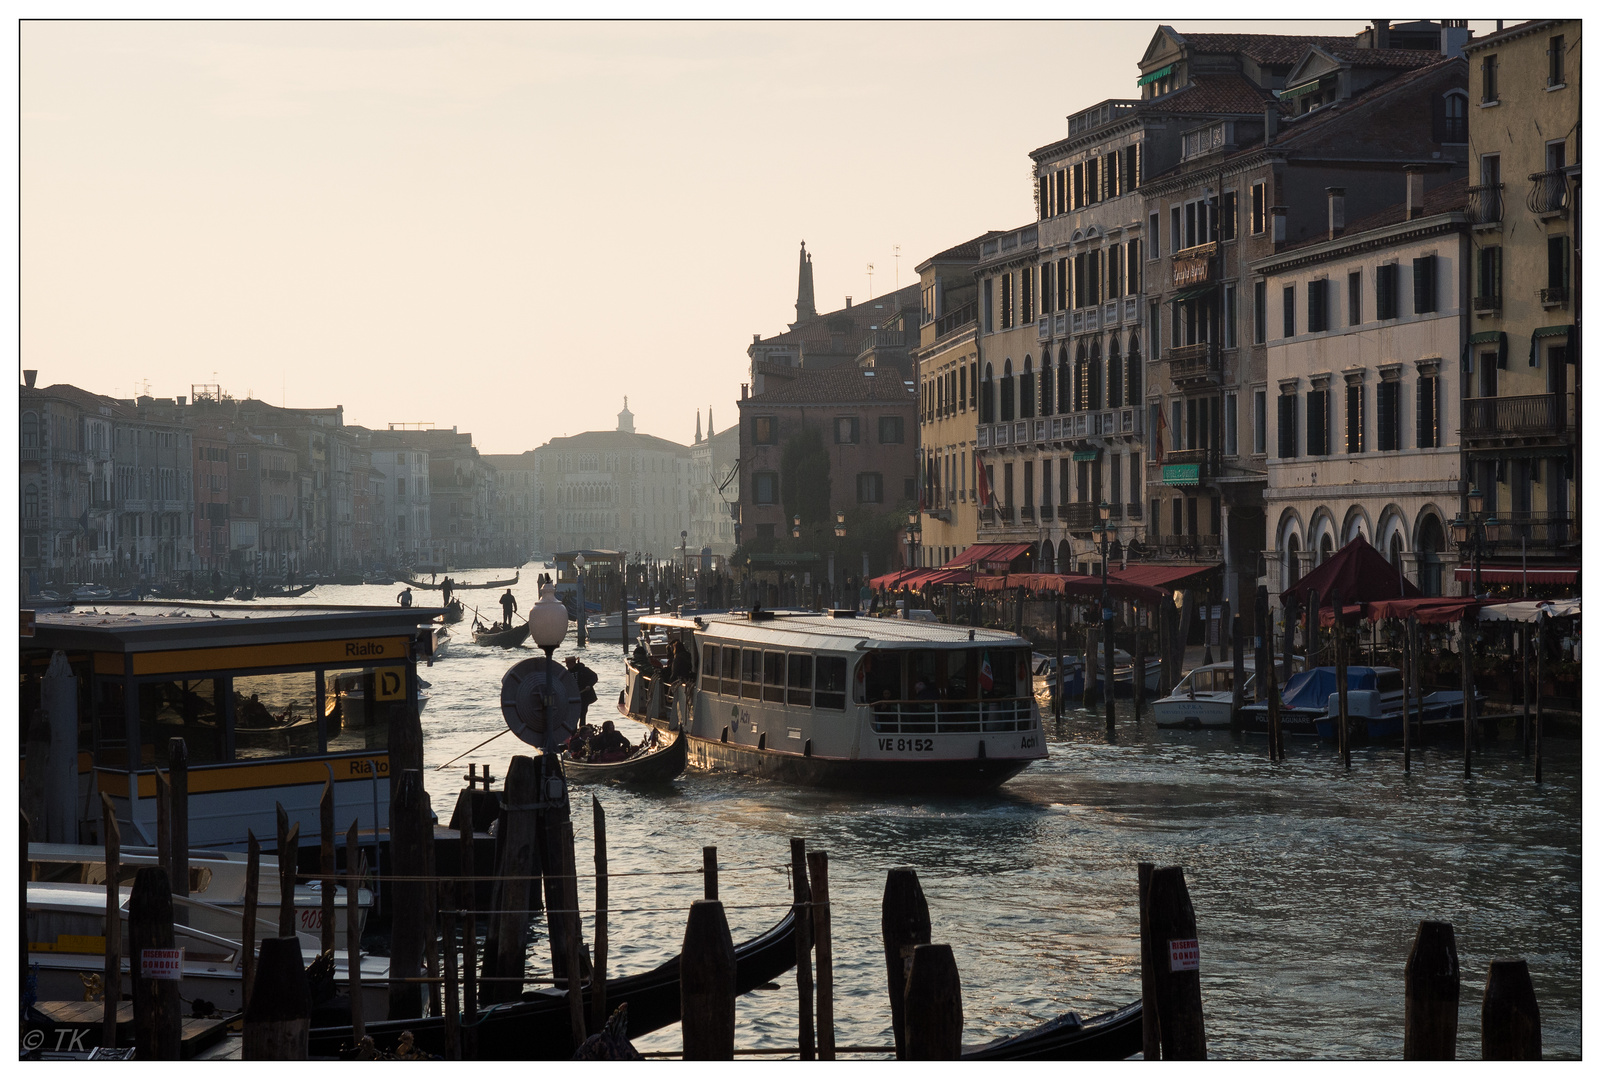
point(1045, 328)
point(950, 717)
point(1536, 414)
point(1487, 303)
point(1047, 513)
point(1028, 515)
point(1553, 297)
point(1485, 204)
point(1191, 542)
point(1538, 529)
point(1081, 515)
point(1134, 511)
point(881, 339)
point(983, 435)
point(1548, 192)
point(986, 515)
point(1196, 361)
point(963, 315)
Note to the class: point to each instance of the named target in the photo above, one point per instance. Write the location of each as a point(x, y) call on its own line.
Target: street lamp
point(1476, 535)
point(547, 621)
point(578, 572)
point(1103, 536)
point(795, 527)
point(839, 524)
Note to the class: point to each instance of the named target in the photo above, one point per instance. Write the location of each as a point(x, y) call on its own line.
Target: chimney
point(1336, 211)
point(183, 401)
point(755, 339)
point(1381, 33)
point(744, 391)
point(29, 375)
point(847, 303)
point(1270, 122)
point(1414, 190)
point(1279, 224)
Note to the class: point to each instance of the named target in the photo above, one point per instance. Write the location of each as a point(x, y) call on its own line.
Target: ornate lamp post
point(1475, 535)
point(578, 572)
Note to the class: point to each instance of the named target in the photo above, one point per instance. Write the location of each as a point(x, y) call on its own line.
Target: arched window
point(30, 501)
point(30, 433)
point(1008, 401)
point(1025, 395)
point(1292, 561)
point(1081, 378)
point(1064, 383)
point(1097, 380)
point(1135, 375)
point(1325, 548)
point(1454, 117)
point(1047, 387)
point(1431, 541)
point(1114, 376)
point(1047, 557)
point(986, 398)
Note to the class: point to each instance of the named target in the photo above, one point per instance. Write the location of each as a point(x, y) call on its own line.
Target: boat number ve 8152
point(913, 745)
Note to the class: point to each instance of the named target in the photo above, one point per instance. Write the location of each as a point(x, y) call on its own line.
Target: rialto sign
point(1191, 271)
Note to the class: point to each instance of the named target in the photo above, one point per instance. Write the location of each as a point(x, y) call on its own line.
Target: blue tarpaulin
point(1311, 689)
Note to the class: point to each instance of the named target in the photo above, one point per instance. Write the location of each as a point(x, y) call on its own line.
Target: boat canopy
point(1311, 689)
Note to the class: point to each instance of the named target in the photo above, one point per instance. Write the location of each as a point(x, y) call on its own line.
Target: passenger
point(923, 691)
point(609, 745)
point(681, 669)
point(255, 714)
point(641, 657)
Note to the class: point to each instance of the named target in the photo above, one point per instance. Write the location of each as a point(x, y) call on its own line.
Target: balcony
point(984, 439)
point(1550, 298)
point(1080, 516)
point(986, 515)
point(1047, 513)
point(881, 339)
point(1485, 205)
point(1193, 363)
point(1548, 193)
point(1191, 545)
point(1487, 305)
point(963, 315)
point(1134, 511)
point(1498, 420)
point(1045, 328)
point(1028, 515)
point(1539, 530)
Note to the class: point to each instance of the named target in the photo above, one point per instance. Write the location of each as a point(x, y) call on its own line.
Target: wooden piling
point(1176, 965)
point(506, 942)
point(452, 990)
point(288, 857)
point(1510, 1015)
point(1139, 669)
point(1237, 636)
point(1433, 987)
point(1341, 680)
point(1109, 684)
point(277, 1025)
point(112, 975)
point(575, 970)
point(823, 935)
point(355, 867)
point(409, 926)
point(327, 865)
point(707, 984)
point(178, 818)
point(905, 925)
point(1523, 685)
point(247, 936)
point(157, 1010)
point(1056, 687)
point(597, 981)
point(1275, 719)
point(1264, 641)
point(1092, 663)
point(933, 1005)
point(1314, 645)
point(708, 871)
point(164, 821)
point(1150, 1029)
point(468, 899)
point(1539, 702)
point(1467, 697)
point(1408, 688)
point(803, 945)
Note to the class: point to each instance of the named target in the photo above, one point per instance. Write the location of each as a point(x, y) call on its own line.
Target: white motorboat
point(1204, 698)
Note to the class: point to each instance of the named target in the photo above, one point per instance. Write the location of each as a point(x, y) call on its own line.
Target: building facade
point(714, 496)
point(514, 520)
point(1520, 419)
point(67, 523)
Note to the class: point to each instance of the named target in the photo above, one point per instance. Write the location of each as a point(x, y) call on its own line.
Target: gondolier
point(448, 586)
point(405, 597)
point(586, 679)
point(508, 604)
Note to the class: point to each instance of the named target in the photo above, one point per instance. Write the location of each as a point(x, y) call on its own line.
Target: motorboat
point(1071, 682)
point(1310, 706)
point(1204, 698)
point(833, 700)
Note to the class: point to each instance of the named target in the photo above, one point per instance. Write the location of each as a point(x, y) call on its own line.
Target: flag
point(986, 676)
point(985, 496)
point(1161, 426)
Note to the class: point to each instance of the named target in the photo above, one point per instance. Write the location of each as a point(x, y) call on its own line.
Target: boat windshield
point(942, 674)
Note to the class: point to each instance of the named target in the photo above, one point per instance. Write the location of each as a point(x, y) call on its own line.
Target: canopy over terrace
point(1358, 573)
point(1068, 585)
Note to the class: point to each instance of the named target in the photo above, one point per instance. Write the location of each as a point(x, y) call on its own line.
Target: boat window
point(181, 708)
point(922, 674)
point(750, 673)
point(878, 676)
point(111, 724)
point(350, 714)
point(959, 682)
point(773, 677)
point(1389, 682)
point(730, 671)
point(1008, 672)
point(275, 715)
point(831, 682)
point(800, 679)
point(708, 669)
point(1200, 682)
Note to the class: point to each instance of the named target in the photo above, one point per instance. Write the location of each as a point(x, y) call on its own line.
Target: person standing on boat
point(682, 669)
point(405, 597)
point(586, 679)
point(508, 604)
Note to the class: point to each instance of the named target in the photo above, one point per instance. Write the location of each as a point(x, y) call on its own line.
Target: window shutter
point(1423, 284)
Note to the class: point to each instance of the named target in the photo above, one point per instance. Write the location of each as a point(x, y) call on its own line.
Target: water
point(1308, 882)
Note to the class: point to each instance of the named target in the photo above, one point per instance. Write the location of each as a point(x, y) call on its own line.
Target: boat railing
point(953, 717)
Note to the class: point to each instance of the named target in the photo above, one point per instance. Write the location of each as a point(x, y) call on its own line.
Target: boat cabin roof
point(147, 627)
point(809, 630)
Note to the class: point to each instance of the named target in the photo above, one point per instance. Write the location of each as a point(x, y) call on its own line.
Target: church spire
point(805, 301)
point(709, 431)
point(625, 419)
point(697, 425)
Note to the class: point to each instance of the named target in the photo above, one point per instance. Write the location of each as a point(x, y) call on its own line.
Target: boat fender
point(761, 741)
point(981, 754)
point(807, 750)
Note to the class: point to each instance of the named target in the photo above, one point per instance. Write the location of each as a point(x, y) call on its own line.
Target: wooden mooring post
point(708, 870)
point(409, 925)
point(288, 857)
point(178, 818)
point(468, 899)
point(112, 978)
point(707, 978)
point(574, 920)
point(277, 1025)
point(1467, 696)
point(597, 980)
point(1237, 634)
point(327, 865)
point(1150, 1029)
point(823, 935)
point(1177, 966)
point(1433, 989)
point(355, 867)
point(247, 936)
point(157, 1010)
point(449, 920)
point(1056, 687)
point(803, 946)
point(505, 945)
point(1539, 702)
point(1139, 666)
point(1510, 1016)
point(933, 1005)
point(1408, 688)
point(905, 925)
point(1091, 665)
point(1341, 679)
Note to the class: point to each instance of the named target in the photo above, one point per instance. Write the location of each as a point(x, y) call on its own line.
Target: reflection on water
point(1308, 880)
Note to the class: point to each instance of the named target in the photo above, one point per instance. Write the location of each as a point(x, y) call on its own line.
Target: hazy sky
point(508, 226)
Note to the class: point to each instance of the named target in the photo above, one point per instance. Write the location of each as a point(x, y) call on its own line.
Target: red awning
point(922, 579)
point(1545, 575)
point(1428, 609)
point(1084, 585)
point(1349, 614)
point(988, 553)
point(1158, 575)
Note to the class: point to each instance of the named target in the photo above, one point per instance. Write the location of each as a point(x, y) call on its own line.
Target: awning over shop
point(987, 554)
point(1427, 609)
point(1182, 475)
point(1087, 455)
point(929, 576)
point(1545, 575)
point(1299, 91)
point(1191, 294)
point(1153, 76)
point(1087, 585)
point(1526, 610)
point(1160, 576)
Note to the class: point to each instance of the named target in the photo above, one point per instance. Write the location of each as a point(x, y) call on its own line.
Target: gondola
point(454, 612)
point(539, 1026)
point(656, 767)
point(459, 585)
point(1108, 1036)
point(281, 592)
point(505, 638)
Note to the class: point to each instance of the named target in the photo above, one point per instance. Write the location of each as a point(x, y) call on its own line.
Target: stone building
point(1520, 419)
point(405, 536)
point(714, 494)
point(514, 518)
point(68, 525)
point(213, 443)
point(615, 490)
point(1365, 380)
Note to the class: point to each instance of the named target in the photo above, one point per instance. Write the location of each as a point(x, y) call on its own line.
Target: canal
point(1308, 881)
